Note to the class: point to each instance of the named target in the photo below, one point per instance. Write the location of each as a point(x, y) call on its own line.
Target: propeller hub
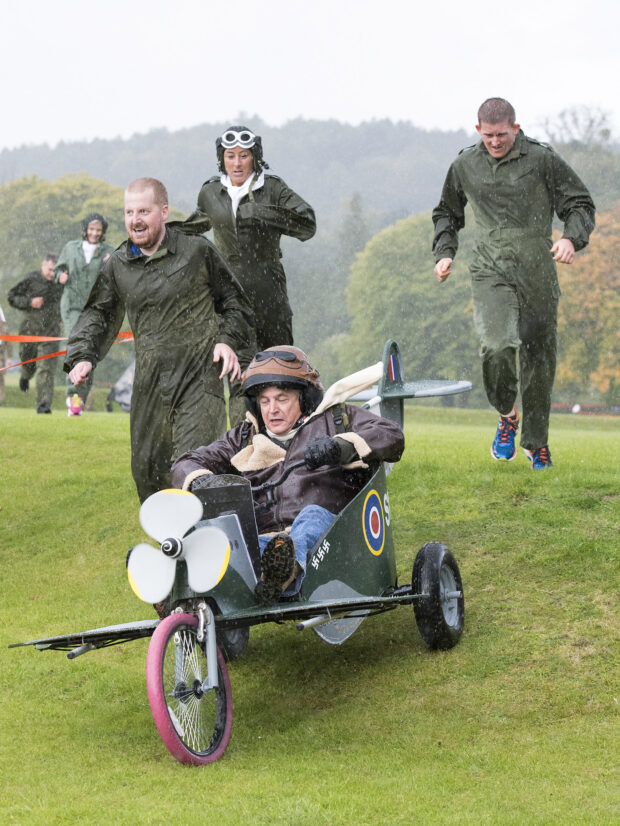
point(172, 547)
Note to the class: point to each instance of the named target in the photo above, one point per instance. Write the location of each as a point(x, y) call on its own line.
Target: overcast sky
point(74, 70)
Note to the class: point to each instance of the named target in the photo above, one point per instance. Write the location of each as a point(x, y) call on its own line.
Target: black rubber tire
point(233, 642)
point(440, 615)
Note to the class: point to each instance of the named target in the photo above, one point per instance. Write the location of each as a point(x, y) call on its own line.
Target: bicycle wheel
point(193, 724)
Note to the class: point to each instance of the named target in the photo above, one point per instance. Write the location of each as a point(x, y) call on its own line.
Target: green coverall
point(38, 322)
point(250, 245)
point(75, 292)
point(180, 302)
point(514, 279)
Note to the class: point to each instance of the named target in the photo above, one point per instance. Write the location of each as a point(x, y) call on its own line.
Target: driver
point(288, 421)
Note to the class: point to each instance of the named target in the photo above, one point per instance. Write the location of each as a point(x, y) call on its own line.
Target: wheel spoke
point(193, 716)
point(194, 725)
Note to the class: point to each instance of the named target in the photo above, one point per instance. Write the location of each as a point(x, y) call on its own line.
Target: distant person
point(187, 313)
point(38, 297)
point(78, 266)
point(5, 352)
point(514, 184)
point(249, 211)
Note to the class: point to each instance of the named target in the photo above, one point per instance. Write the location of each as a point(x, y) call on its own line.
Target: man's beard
point(146, 239)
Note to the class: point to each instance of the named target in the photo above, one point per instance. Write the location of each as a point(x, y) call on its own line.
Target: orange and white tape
point(124, 336)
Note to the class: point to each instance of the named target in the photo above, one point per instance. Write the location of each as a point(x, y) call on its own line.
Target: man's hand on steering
point(323, 450)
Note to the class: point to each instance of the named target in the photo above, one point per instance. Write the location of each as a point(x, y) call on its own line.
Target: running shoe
point(540, 458)
point(503, 447)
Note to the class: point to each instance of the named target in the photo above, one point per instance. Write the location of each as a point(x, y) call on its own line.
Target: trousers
point(516, 327)
point(308, 527)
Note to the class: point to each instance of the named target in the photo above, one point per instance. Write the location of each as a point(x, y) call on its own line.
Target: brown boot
point(279, 569)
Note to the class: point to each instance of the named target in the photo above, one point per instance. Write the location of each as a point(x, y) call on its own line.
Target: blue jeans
point(309, 525)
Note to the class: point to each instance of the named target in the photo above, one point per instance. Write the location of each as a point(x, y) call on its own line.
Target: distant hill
point(397, 168)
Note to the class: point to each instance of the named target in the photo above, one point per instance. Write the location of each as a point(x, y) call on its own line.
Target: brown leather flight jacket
point(376, 439)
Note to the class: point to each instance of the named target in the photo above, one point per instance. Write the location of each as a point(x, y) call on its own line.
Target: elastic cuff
point(195, 474)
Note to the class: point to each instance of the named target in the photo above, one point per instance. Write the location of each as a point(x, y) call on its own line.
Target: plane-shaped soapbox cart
point(207, 566)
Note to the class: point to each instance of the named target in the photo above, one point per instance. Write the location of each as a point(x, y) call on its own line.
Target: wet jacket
point(513, 201)
point(82, 276)
point(46, 320)
point(246, 452)
point(180, 302)
point(250, 243)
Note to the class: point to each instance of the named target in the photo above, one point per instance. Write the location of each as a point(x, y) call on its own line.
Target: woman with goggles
point(248, 211)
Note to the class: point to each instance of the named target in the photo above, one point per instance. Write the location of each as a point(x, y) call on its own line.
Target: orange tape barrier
point(31, 338)
point(124, 336)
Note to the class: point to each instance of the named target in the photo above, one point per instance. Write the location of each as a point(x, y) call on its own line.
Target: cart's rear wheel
point(440, 614)
point(193, 724)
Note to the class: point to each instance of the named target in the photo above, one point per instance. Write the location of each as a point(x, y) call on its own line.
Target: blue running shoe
point(540, 458)
point(503, 446)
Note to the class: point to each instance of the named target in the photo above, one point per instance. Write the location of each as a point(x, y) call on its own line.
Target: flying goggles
point(231, 138)
point(283, 355)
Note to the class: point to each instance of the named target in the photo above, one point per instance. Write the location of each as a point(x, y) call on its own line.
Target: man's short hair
point(496, 110)
point(160, 193)
point(50, 256)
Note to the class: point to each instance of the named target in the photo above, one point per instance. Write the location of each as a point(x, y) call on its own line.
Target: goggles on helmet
point(230, 138)
point(283, 355)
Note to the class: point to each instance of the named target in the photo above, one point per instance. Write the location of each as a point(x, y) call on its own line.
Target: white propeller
point(167, 516)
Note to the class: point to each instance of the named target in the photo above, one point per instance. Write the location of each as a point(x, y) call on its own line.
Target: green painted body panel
point(344, 555)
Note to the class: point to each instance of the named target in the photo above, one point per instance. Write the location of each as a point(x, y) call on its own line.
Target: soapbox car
point(208, 562)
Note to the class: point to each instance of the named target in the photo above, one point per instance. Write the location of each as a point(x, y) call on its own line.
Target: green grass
point(516, 725)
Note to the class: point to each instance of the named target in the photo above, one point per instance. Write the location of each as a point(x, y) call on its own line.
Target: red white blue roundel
point(374, 523)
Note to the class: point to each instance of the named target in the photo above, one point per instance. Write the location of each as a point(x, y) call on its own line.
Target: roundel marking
point(374, 523)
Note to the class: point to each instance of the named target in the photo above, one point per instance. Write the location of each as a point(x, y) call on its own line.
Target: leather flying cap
point(283, 365)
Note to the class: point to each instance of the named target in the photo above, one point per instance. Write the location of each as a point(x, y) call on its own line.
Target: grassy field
point(516, 725)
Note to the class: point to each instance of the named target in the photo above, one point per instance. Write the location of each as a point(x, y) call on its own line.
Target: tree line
point(367, 274)
point(392, 293)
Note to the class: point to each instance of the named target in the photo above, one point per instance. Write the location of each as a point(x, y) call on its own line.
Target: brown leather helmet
point(284, 366)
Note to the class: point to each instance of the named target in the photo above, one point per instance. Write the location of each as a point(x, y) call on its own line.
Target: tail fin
point(393, 388)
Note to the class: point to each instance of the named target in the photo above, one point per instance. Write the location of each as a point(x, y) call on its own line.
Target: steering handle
point(269, 485)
